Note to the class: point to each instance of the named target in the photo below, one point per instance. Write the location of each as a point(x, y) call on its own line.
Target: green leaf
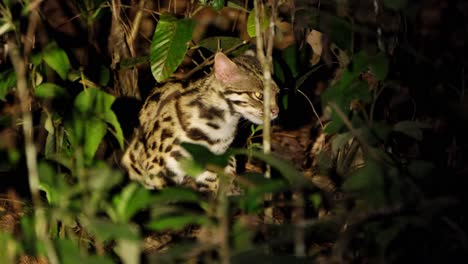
point(128, 250)
point(217, 4)
point(379, 66)
point(132, 199)
point(71, 253)
point(169, 45)
point(395, 4)
point(316, 200)
point(106, 230)
point(369, 182)
point(102, 178)
point(410, 128)
point(286, 169)
point(176, 194)
point(290, 56)
point(104, 75)
point(95, 130)
point(10, 248)
point(382, 130)
point(178, 222)
point(225, 43)
point(251, 23)
point(203, 156)
point(95, 102)
point(341, 33)
point(57, 59)
point(285, 101)
point(49, 90)
point(7, 81)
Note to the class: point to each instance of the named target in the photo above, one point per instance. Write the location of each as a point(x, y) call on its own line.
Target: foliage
point(385, 199)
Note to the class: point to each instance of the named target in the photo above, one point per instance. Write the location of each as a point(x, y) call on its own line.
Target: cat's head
point(243, 82)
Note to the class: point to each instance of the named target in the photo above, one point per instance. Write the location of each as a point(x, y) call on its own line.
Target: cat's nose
point(274, 111)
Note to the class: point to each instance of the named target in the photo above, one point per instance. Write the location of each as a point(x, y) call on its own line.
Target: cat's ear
point(225, 69)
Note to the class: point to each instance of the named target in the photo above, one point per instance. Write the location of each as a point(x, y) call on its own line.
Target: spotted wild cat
point(205, 112)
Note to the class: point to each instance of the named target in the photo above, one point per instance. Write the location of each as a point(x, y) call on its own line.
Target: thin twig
point(19, 64)
point(137, 21)
point(311, 105)
point(210, 61)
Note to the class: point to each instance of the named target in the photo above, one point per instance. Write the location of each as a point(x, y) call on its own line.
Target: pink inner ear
point(225, 70)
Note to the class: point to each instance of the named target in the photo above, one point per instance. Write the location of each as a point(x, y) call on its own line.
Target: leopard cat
point(205, 112)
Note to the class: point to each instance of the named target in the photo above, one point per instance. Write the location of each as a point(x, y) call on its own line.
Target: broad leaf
point(98, 103)
point(95, 130)
point(169, 44)
point(251, 23)
point(369, 183)
point(49, 90)
point(132, 199)
point(410, 128)
point(176, 194)
point(70, 252)
point(105, 229)
point(57, 59)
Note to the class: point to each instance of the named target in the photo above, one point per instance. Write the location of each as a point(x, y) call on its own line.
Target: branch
point(19, 64)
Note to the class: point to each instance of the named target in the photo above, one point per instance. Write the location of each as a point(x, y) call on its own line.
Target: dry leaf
point(315, 41)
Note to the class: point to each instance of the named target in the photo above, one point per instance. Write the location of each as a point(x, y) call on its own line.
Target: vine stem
point(19, 64)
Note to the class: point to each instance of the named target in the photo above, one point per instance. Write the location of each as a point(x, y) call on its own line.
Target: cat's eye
point(258, 95)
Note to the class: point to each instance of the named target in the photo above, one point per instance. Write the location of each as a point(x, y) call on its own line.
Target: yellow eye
point(258, 95)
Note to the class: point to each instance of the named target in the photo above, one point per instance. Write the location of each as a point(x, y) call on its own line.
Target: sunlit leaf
point(251, 23)
point(98, 103)
point(57, 59)
point(95, 130)
point(128, 250)
point(169, 44)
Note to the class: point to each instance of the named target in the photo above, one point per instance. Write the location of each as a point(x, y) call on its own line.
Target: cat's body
point(205, 112)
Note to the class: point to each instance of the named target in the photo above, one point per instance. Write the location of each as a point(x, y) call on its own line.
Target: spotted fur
point(205, 112)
